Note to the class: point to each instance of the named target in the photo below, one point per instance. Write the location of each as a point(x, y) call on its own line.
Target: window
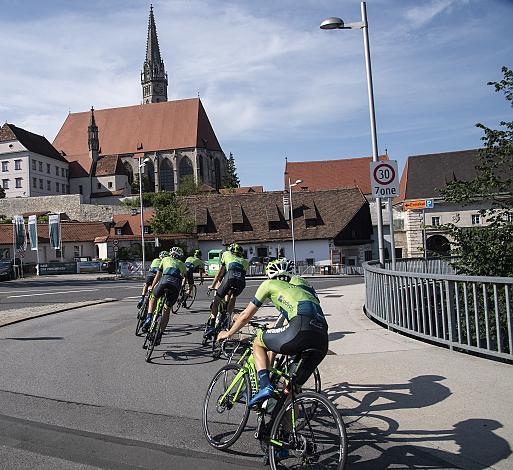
point(41, 167)
point(18, 182)
point(368, 255)
point(476, 219)
point(509, 216)
point(99, 186)
point(17, 164)
point(62, 172)
point(435, 221)
point(34, 164)
point(110, 184)
point(147, 229)
point(34, 182)
point(80, 189)
point(119, 231)
point(57, 187)
point(40, 184)
point(56, 171)
point(66, 173)
point(76, 251)
point(48, 168)
point(5, 166)
point(48, 185)
point(67, 188)
point(63, 188)
point(5, 184)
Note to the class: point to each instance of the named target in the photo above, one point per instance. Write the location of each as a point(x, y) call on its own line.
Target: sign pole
point(392, 237)
point(424, 232)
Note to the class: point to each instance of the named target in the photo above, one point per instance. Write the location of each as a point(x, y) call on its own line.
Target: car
point(6, 270)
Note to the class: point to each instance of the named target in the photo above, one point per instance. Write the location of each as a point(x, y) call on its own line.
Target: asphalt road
point(75, 391)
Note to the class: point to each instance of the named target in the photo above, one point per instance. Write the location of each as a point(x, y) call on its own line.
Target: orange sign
point(419, 204)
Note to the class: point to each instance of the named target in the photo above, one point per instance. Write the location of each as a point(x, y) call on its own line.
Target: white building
point(30, 165)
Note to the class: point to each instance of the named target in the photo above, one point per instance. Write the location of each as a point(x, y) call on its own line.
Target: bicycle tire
point(215, 440)
point(189, 298)
point(141, 315)
point(176, 306)
point(308, 406)
point(155, 333)
point(315, 377)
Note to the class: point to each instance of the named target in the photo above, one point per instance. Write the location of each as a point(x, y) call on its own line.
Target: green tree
point(230, 180)
point(171, 214)
point(187, 186)
point(2, 193)
point(488, 250)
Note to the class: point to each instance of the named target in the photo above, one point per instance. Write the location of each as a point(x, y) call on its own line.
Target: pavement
point(416, 399)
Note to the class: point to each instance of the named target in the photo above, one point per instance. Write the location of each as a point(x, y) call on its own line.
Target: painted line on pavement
point(51, 293)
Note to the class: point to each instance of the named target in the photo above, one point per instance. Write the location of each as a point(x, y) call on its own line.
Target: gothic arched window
point(200, 163)
point(129, 171)
point(167, 178)
point(217, 173)
point(186, 168)
point(149, 178)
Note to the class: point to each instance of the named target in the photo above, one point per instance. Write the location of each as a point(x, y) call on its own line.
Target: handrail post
point(449, 297)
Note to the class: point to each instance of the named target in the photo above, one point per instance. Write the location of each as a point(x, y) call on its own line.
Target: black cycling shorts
point(236, 285)
point(302, 332)
point(150, 278)
point(170, 287)
point(190, 275)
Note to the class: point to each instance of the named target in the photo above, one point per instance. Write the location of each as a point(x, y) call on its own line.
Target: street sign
point(115, 242)
point(116, 248)
point(384, 179)
point(419, 204)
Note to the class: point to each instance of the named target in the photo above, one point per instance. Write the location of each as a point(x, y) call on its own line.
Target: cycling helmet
point(280, 268)
point(236, 249)
point(176, 252)
point(163, 254)
point(197, 253)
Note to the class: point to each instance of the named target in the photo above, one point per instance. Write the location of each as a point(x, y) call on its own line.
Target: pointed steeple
point(153, 77)
point(93, 141)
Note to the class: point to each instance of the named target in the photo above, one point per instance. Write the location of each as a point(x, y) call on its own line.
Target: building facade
point(30, 165)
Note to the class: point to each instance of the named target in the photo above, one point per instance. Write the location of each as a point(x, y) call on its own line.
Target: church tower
point(153, 76)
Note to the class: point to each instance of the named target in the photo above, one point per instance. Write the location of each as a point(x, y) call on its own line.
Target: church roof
point(150, 127)
point(32, 142)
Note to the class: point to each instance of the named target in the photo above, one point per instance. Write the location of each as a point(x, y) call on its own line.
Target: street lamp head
point(143, 163)
point(298, 181)
point(332, 23)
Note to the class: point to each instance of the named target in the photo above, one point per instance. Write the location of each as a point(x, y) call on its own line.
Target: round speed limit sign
point(384, 179)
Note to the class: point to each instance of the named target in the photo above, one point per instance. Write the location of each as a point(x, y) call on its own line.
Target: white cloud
point(423, 14)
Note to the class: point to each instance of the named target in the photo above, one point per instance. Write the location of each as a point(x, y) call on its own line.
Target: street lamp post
point(292, 220)
point(337, 23)
point(141, 165)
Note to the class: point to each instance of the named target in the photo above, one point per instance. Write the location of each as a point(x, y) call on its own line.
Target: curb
point(65, 309)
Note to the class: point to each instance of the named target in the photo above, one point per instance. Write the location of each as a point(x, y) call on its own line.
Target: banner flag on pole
point(20, 238)
point(54, 231)
point(32, 230)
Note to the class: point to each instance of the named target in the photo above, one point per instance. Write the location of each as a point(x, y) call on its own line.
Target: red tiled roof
point(133, 221)
point(331, 174)
point(109, 165)
point(143, 128)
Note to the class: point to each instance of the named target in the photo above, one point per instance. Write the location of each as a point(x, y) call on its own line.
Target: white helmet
point(176, 252)
point(280, 268)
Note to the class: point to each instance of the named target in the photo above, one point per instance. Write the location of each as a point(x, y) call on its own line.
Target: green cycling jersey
point(233, 262)
point(195, 262)
point(172, 267)
point(289, 299)
point(303, 284)
point(154, 267)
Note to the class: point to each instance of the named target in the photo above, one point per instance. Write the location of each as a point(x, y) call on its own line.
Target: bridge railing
point(470, 313)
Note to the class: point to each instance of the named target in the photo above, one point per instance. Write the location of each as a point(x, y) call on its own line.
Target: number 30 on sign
point(384, 179)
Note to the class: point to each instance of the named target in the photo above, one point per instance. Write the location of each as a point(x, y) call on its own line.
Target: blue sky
point(272, 82)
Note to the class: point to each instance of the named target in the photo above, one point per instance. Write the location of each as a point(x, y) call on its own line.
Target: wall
point(71, 204)
point(46, 177)
point(47, 253)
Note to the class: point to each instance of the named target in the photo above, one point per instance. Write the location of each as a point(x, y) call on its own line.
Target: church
point(166, 141)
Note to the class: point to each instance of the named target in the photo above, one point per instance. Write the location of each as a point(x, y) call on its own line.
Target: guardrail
point(469, 313)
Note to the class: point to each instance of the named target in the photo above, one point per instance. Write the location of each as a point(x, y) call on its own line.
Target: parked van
point(214, 258)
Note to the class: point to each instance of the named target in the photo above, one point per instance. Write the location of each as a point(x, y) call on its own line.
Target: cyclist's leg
point(146, 286)
point(172, 293)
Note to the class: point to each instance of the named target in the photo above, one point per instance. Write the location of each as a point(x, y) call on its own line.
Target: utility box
point(214, 259)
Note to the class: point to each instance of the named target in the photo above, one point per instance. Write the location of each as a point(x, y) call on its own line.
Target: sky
point(274, 84)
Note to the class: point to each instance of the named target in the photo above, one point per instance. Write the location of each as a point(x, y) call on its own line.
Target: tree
point(171, 214)
point(2, 193)
point(187, 186)
point(488, 250)
point(230, 180)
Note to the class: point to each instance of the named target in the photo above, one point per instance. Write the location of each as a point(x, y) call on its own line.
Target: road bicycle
point(295, 428)
point(185, 299)
point(223, 322)
point(153, 330)
point(141, 313)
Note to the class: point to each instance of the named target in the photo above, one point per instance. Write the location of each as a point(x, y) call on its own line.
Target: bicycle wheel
point(313, 384)
point(317, 439)
point(189, 298)
point(176, 306)
point(225, 411)
point(141, 315)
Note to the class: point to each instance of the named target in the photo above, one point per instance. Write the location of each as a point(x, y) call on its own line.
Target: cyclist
point(154, 267)
point(167, 282)
point(232, 272)
point(194, 264)
point(306, 328)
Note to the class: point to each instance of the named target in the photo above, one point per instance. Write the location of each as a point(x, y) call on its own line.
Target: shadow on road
point(36, 338)
point(376, 441)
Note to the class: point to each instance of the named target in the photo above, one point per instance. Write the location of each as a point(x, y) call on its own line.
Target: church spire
point(154, 76)
point(93, 141)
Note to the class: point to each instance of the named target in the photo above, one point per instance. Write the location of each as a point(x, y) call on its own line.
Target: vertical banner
point(32, 230)
point(20, 239)
point(54, 231)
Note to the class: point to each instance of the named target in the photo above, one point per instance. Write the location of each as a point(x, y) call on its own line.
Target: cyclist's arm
point(218, 276)
point(241, 321)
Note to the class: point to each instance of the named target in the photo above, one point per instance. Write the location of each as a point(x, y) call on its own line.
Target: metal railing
point(422, 265)
point(469, 313)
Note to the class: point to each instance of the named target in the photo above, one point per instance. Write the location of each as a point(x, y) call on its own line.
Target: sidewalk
point(403, 399)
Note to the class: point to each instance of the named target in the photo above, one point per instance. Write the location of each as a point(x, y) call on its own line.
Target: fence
point(470, 313)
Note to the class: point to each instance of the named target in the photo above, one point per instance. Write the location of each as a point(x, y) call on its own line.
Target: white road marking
point(51, 293)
